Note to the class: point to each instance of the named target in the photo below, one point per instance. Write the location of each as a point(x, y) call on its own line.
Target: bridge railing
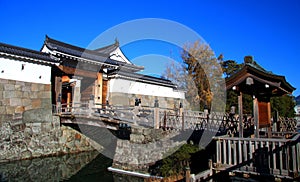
point(172, 118)
point(269, 156)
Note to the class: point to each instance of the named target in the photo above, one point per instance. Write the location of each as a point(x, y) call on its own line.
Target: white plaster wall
point(35, 73)
point(131, 87)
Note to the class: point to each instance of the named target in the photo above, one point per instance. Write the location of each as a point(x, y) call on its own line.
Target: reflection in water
point(88, 166)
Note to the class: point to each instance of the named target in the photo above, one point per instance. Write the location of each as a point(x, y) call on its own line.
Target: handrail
point(269, 156)
point(258, 139)
point(170, 118)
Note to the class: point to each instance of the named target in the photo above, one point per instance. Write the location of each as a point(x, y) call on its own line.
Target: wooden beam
point(58, 87)
point(78, 72)
point(255, 114)
point(98, 89)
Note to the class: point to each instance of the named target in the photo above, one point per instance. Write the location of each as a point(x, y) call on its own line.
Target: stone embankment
point(31, 140)
point(27, 127)
point(145, 147)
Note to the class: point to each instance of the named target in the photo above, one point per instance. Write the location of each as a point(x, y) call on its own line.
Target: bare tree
point(200, 74)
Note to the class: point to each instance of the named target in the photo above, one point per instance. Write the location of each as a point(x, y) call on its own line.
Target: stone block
point(26, 102)
point(36, 128)
point(36, 103)
point(18, 87)
point(1, 95)
point(5, 102)
point(10, 110)
point(20, 83)
point(37, 115)
point(26, 88)
point(137, 138)
point(16, 101)
point(46, 103)
point(4, 81)
point(8, 94)
point(26, 154)
point(44, 94)
point(41, 87)
point(2, 110)
point(18, 94)
point(12, 82)
point(6, 117)
point(33, 95)
point(46, 127)
point(19, 109)
point(1, 87)
point(18, 127)
point(47, 87)
point(9, 87)
point(26, 94)
point(34, 87)
point(137, 130)
point(27, 132)
point(29, 107)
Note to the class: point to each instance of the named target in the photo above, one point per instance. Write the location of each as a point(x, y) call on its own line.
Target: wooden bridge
point(278, 156)
point(113, 116)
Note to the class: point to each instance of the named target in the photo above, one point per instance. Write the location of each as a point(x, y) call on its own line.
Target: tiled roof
point(74, 50)
point(108, 49)
point(143, 78)
point(257, 71)
point(99, 55)
point(13, 51)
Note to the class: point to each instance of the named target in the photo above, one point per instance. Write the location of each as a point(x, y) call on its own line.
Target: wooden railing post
point(58, 104)
point(187, 174)
point(255, 111)
point(240, 102)
point(218, 152)
point(156, 115)
point(91, 105)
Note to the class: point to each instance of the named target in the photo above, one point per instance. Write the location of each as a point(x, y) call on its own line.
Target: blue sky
point(266, 29)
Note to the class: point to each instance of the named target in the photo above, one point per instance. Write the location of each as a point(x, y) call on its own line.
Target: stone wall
point(31, 140)
point(24, 100)
point(27, 127)
point(146, 146)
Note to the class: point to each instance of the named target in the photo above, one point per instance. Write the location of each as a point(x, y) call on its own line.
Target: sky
point(269, 30)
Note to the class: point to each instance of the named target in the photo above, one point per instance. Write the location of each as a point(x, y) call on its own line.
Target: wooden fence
point(265, 156)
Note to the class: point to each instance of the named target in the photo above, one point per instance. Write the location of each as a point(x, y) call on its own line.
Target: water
point(88, 166)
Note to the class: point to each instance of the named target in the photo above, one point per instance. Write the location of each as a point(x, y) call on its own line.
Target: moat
point(87, 166)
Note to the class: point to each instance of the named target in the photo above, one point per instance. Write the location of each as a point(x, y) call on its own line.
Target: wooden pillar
point(58, 87)
point(269, 117)
point(255, 114)
point(58, 93)
point(69, 98)
point(104, 91)
point(98, 89)
point(240, 103)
